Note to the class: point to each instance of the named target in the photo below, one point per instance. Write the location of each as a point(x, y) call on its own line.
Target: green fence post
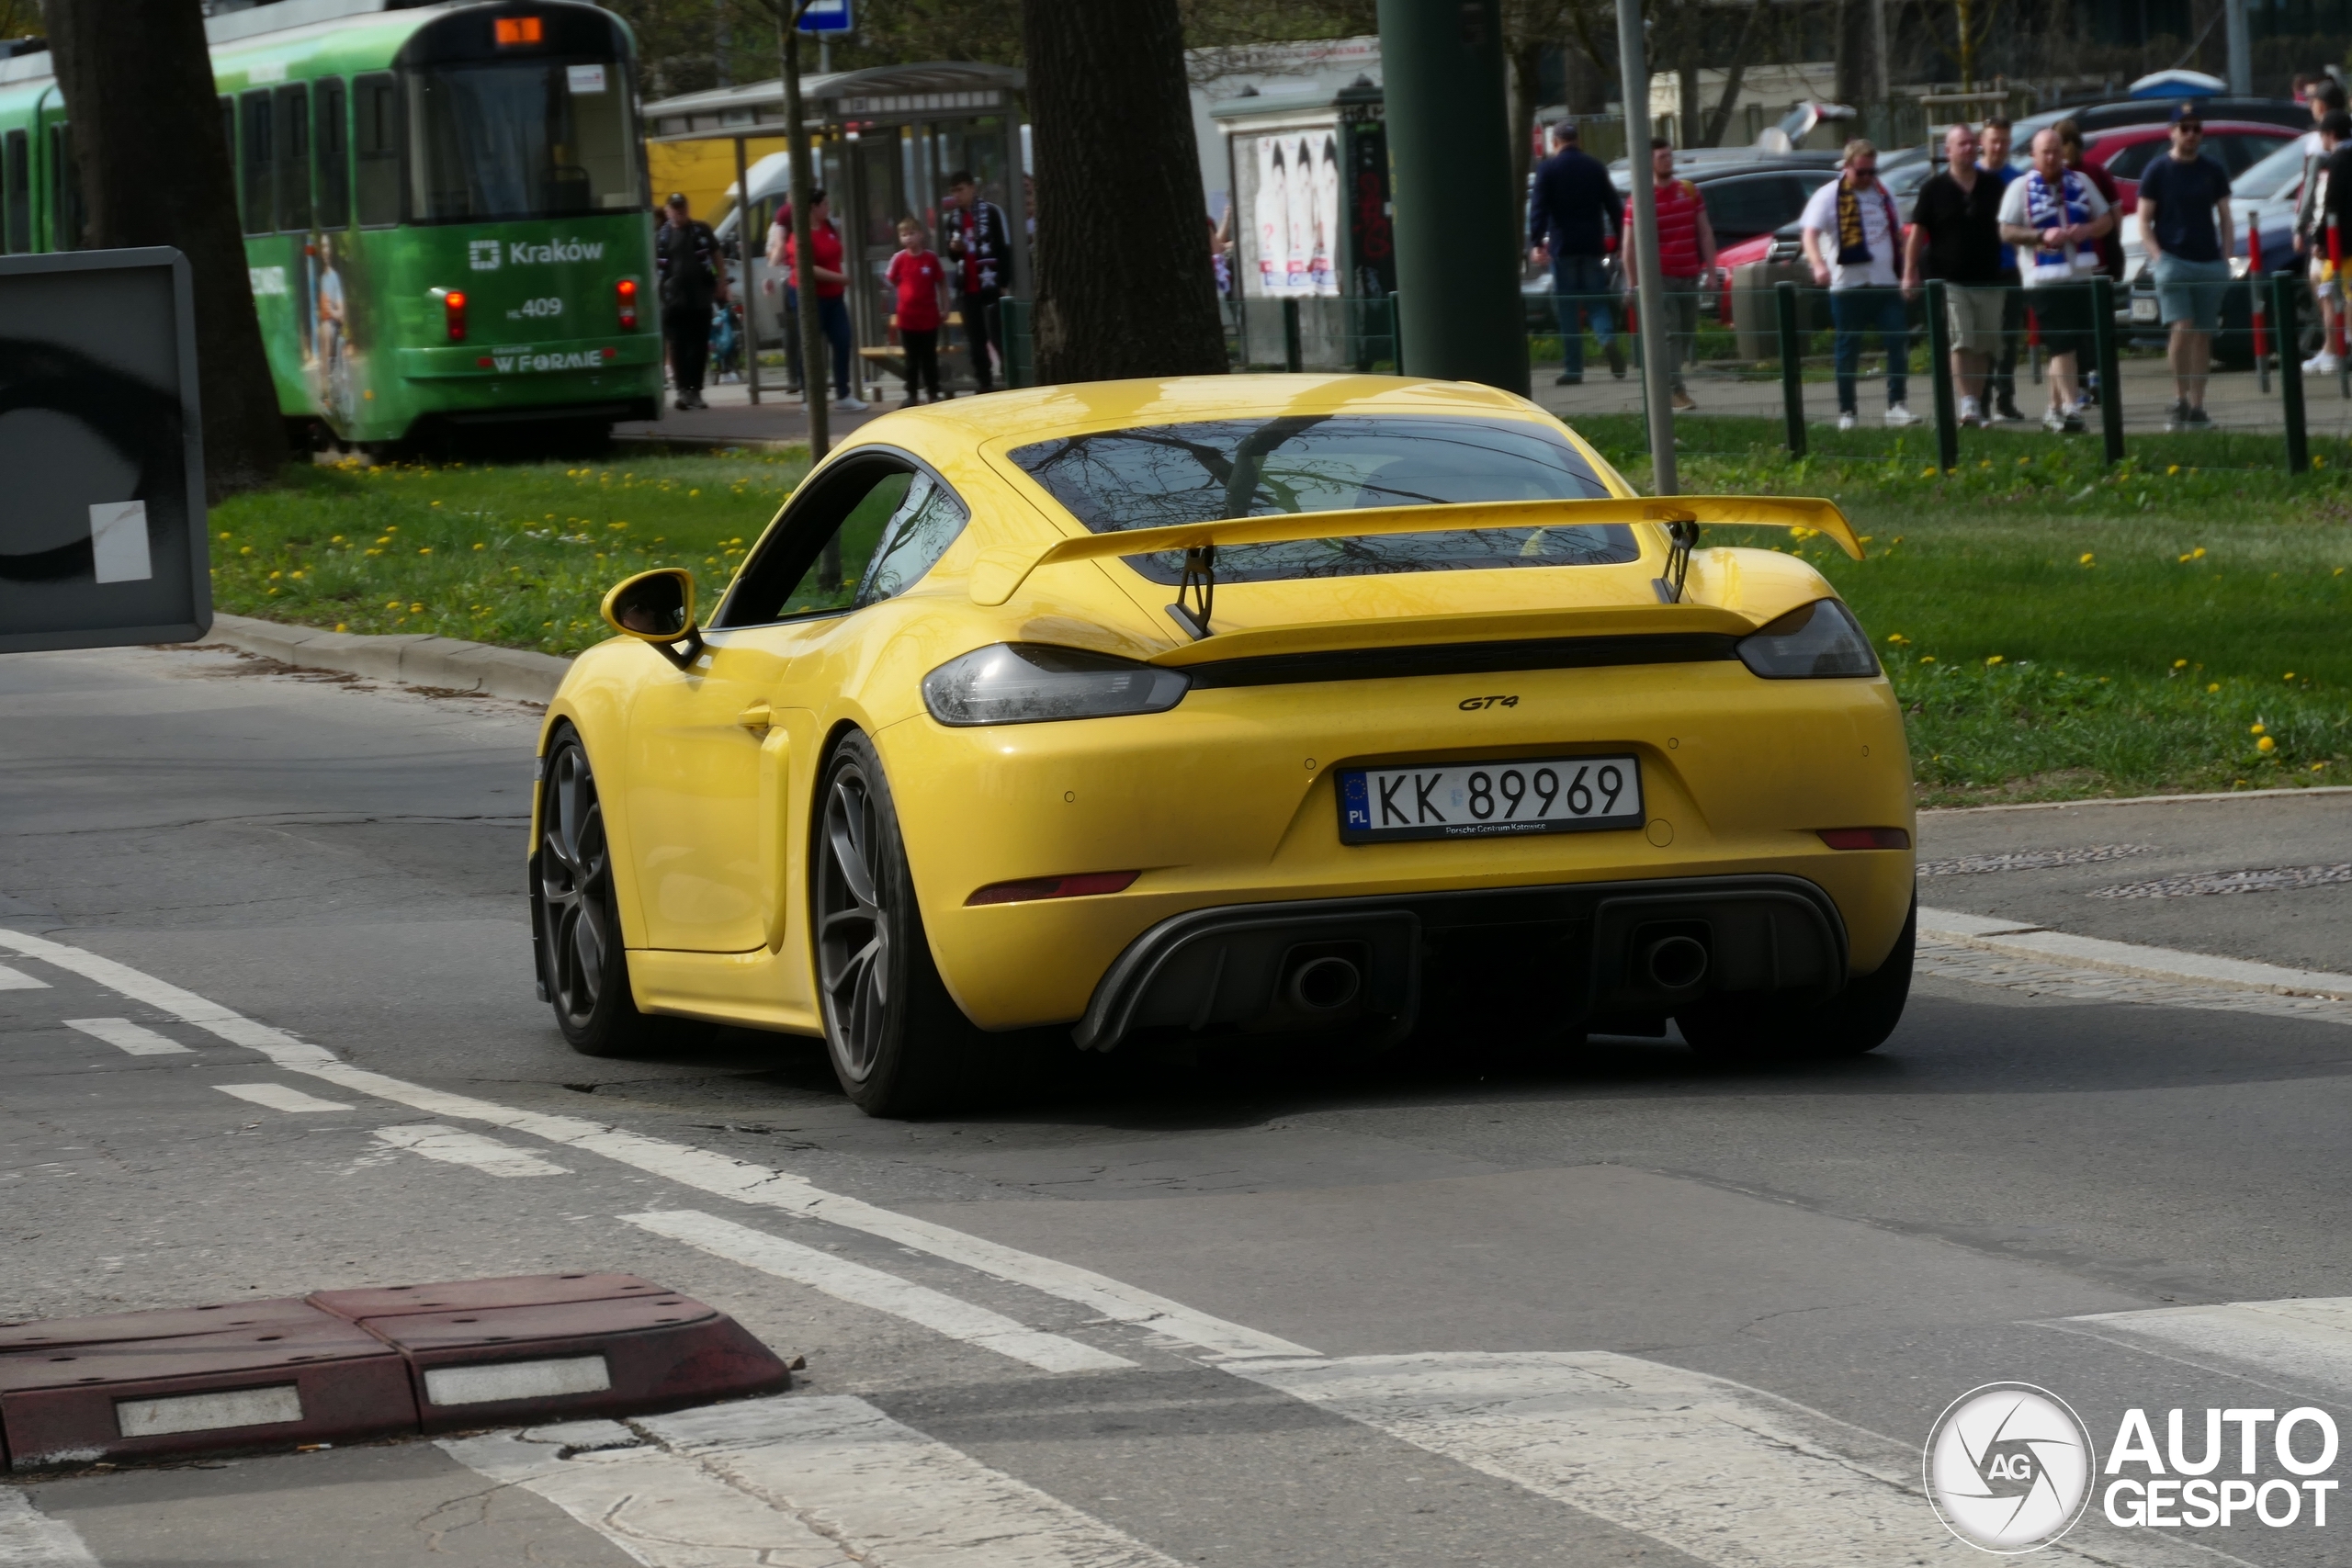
point(1939, 369)
point(1293, 354)
point(1784, 307)
point(2290, 371)
point(2110, 383)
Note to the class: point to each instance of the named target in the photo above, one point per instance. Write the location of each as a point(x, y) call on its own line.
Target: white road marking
point(164, 997)
point(1726, 1474)
point(741, 1180)
point(30, 1539)
point(852, 1281)
point(279, 1097)
point(485, 1155)
point(2025, 940)
point(2307, 1339)
point(17, 980)
point(664, 1511)
point(136, 1038)
point(889, 1494)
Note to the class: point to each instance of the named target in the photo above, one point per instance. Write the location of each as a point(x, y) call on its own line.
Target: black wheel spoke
point(853, 925)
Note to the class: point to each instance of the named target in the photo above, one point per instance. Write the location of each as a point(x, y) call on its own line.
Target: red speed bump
point(346, 1366)
point(275, 1384)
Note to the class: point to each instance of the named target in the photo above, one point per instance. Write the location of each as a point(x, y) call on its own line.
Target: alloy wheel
point(853, 925)
point(575, 887)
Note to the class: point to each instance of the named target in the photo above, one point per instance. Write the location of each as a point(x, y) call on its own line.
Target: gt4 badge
point(1472, 705)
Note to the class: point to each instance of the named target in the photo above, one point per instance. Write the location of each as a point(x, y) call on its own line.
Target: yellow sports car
point(1228, 706)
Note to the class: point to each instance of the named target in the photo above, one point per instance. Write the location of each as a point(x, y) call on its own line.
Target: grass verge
point(2055, 629)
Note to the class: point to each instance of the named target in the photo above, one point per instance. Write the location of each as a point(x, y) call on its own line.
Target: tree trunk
point(1124, 285)
point(154, 167)
point(1720, 119)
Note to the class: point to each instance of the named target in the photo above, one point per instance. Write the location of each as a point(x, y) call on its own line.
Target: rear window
point(1158, 476)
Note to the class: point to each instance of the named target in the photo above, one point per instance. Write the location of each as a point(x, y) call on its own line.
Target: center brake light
point(453, 313)
point(625, 297)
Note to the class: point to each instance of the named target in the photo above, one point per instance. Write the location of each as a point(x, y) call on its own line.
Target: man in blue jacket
point(1572, 218)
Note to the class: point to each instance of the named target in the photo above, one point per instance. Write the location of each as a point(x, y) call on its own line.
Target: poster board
point(102, 524)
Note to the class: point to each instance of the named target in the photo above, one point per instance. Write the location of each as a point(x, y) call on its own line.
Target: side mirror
point(658, 607)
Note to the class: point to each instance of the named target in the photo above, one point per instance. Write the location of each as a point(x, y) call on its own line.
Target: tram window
point(521, 138)
point(19, 231)
point(331, 146)
point(376, 137)
point(293, 143)
point(256, 163)
point(65, 210)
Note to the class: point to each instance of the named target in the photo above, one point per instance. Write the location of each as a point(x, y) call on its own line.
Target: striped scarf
point(1853, 250)
point(2045, 209)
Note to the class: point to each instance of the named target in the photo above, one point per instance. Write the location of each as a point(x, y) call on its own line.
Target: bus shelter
point(884, 140)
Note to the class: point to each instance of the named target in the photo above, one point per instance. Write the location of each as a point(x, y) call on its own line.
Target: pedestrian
point(826, 275)
point(1572, 221)
point(922, 285)
point(1686, 260)
point(1993, 158)
point(2327, 181)
point(1852, 235)
point(693, 277)
point(2054, 217)
point(2110, 245)
point(979, 247)
point(1956, 236)
point(779, 248)
point(2186, 231)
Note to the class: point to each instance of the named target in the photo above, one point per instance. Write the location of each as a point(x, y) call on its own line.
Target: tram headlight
point(625, 297)
point(453, 312)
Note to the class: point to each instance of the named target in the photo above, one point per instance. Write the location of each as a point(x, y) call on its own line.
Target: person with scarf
point(1856, 262)
point(2055, 219)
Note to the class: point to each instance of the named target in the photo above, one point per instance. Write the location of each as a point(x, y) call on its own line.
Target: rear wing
point(1002, 570)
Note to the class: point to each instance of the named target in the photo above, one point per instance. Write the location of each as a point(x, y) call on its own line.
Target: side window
point(18, 165)
point(927, 521)
point(331, 143)
point(257, 165)
point(375, 138)
point(293, 141)
point(65, 210)
point(865, 532)
point(2133, 160)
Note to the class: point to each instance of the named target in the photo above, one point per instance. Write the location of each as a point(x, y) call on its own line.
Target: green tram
point(444, 212)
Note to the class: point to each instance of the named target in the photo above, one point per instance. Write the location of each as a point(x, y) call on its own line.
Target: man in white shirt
point(2054, 217)
point(1855, 262)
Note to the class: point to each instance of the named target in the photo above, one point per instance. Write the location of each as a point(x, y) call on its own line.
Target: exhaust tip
point(1320, 984)
point(1675, 963)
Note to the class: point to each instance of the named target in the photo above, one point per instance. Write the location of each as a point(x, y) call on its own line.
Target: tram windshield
point(521, 139)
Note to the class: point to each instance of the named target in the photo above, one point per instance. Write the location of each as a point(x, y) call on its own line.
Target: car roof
point(2157, 111)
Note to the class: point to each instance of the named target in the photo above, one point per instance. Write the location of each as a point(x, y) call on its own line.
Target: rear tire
point(575, 914)
point(898, 1043)
point(1857, 1020)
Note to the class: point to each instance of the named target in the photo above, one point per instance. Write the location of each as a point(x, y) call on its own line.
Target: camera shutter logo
point(483, 254)
point(2010, 1467)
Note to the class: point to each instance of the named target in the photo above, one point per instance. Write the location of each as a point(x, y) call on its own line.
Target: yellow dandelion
point(693, 492)
point(417, 609)
point(245, 550)
point(226, 534)
point(341, 627)
point(392, 604)
point(1997, 659)
point(478, 545)
point(2257, 729)
point(2213, 686)
point(2266, 744)
point(2197, 554)
point(2174, 469)
point(1899, 639)
point(275, 575)
point(2086, 559)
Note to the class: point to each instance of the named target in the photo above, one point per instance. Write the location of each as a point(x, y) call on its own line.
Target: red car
point(2126, 150)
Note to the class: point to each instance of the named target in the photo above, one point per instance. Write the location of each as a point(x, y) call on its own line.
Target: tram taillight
point(453, 312)
point(625, 296)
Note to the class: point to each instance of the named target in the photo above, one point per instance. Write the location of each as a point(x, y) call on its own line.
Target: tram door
point(870, 226)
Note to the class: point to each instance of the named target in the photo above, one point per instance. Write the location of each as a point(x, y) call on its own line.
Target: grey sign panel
point(101, 453)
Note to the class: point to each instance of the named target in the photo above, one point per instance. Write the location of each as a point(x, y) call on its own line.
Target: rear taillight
point(1865, 838)
point(625, 297)
point(453, 315)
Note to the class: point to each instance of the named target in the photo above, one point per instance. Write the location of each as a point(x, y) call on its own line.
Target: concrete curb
point(2017, 940)
point(415, 660)
point(2141, 800)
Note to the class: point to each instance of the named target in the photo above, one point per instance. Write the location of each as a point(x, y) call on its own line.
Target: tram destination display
point(102, 515)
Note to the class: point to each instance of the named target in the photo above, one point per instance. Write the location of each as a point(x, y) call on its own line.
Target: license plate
point(1478, 800)
point(2143, 310)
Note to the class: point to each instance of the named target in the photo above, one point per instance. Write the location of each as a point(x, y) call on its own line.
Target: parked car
point(1746, 202)
point(2096, 117)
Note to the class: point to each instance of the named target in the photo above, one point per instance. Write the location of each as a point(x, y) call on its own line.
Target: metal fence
point(2078, 363)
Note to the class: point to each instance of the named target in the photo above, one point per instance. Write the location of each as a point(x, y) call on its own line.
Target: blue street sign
point(825, 17)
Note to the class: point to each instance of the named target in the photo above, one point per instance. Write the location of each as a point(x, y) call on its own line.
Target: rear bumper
point(1578, 952)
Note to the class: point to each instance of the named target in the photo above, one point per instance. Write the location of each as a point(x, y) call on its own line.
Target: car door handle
point(756, 718)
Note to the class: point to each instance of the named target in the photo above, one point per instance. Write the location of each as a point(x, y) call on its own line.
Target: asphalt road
point(1604, 1307)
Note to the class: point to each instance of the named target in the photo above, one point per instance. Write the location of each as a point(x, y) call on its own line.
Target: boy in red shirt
point(921, 284)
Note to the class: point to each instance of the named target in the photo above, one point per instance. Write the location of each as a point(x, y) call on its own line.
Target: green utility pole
point(1459, 224)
